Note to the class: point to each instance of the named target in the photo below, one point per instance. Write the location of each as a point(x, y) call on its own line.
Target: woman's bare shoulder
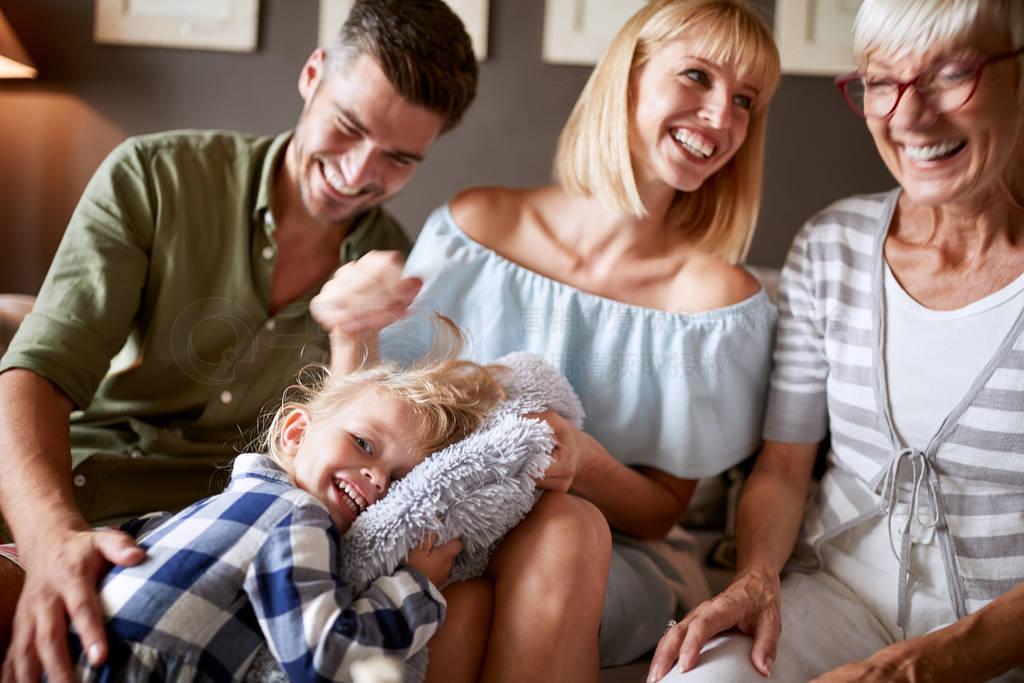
point(708, 282)
point(489, 214)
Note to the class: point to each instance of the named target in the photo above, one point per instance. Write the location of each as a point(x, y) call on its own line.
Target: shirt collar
point(260, 466)
point(265, 185)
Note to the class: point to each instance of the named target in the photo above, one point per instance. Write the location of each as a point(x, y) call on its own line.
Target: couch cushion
point(13, 309)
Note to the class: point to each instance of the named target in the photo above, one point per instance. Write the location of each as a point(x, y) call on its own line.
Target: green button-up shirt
point(154, 316)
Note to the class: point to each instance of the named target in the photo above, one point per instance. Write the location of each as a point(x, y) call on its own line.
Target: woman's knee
point(564, 536)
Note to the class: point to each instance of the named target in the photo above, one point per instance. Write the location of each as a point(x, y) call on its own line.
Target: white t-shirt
point(933, 357)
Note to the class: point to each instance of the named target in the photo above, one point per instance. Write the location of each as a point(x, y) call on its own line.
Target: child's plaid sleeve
point(314, 625)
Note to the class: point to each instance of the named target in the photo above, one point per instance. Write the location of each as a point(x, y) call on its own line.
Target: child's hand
point(365, 295)
point(362, 297)
point(434, 563)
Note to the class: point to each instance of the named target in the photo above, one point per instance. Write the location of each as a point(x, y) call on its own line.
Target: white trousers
point(844, 613)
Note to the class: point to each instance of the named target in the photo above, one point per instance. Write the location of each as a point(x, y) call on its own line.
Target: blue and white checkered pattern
point(255, 562)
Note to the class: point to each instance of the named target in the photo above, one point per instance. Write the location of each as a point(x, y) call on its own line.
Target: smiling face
point(350, 458)
point(358, 141)
point(690, 116)
point(958, 157)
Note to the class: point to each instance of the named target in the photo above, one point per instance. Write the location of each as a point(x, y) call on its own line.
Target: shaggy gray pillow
point(475, 490)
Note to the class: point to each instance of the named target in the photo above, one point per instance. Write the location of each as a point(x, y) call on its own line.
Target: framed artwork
point(815, 36)
point(579, 31)
point(474, 14)
point(196, 24)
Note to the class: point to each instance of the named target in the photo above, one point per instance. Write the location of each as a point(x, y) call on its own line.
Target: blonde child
point(257, 562)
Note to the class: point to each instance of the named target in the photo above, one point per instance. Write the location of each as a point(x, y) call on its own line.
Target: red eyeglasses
point(944, 86)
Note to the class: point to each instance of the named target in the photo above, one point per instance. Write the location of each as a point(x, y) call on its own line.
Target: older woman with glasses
point(901, 335)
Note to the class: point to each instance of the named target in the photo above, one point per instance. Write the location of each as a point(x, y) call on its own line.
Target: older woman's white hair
point(905, 27)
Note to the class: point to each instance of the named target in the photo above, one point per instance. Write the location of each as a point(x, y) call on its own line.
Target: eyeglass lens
point(944, 87)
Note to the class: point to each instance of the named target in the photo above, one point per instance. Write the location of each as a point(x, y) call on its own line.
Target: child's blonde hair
point(450, 397)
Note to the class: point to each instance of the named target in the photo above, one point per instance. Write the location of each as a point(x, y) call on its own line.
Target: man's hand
point(750, 603)
point(61, 579)
point(434, 563)
point(365, 296)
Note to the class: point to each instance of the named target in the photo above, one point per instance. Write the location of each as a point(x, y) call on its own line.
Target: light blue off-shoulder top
point(682, 393)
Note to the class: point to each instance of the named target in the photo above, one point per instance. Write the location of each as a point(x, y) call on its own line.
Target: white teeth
point(930, 152)
point(354, 500)
point(693, 144)
point(335, 180)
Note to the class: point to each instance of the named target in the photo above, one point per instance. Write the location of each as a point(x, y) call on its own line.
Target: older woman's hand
point(750, 603)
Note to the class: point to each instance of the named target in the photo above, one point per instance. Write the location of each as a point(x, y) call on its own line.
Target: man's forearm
point(35, 455)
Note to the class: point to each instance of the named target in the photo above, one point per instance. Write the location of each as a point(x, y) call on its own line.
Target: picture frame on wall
point(579, 31)
point(474, 14)
point(815, 37)
point(230, 25)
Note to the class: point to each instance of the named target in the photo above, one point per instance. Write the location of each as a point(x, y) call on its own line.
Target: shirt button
point(79, 480)
point(136, 453)
point(271, 324)
point(225, 397)
point(268, 253)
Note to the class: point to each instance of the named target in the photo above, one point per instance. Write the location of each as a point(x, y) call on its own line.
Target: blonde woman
point(624, 276)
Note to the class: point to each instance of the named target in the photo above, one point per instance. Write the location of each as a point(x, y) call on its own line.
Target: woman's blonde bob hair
point(908, 27)
point(449, 397)
point(593, 155)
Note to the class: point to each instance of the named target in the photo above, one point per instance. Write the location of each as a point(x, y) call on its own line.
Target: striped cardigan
point(829, 376)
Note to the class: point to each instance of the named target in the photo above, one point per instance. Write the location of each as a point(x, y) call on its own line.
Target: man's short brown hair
point(421, 46)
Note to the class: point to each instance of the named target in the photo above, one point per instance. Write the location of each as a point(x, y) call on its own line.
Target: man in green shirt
point(178, 307)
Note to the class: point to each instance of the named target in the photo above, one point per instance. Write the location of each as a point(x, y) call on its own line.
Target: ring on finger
point(669, 625)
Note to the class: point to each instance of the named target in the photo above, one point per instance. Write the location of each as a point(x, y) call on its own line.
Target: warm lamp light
point(14, 61)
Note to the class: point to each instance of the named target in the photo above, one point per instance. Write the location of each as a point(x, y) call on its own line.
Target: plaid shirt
point(254, 563)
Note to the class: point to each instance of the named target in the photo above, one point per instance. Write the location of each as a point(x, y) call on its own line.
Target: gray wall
point(54, 131)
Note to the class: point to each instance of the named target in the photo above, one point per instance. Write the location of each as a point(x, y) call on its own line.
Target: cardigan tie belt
point(913, 468)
